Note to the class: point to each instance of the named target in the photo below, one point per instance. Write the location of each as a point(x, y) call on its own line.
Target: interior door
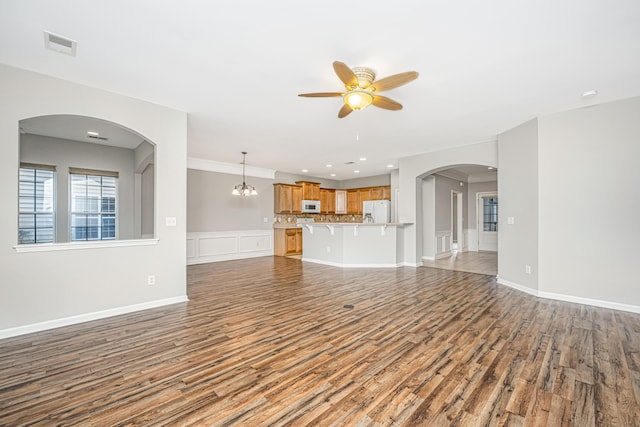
point(488, 222)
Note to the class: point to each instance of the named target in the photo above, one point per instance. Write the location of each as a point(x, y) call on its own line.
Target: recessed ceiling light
point(356, 171)
point(305, 170)
point(92, 133)
point(333, 174)
point(329, 165)
point(363, 159)
point(589, 93)
point(490, 168)
point(389, 166)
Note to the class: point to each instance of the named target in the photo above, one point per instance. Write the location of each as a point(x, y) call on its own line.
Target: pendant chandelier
point(244, 189)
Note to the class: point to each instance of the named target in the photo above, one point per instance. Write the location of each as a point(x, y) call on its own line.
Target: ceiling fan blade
point(394, 81)
point(321, 94)
point(344, 111)
point(345, 74)
point(386, 103)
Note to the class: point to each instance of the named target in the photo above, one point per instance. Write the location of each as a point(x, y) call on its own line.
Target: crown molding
point(230, 168)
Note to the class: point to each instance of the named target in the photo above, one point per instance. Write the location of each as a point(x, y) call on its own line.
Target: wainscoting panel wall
point(216, 246)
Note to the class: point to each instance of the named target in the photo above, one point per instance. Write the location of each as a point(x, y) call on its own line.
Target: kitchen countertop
point(294, 225)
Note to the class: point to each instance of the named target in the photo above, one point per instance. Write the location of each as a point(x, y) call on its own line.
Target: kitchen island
point(353, 244)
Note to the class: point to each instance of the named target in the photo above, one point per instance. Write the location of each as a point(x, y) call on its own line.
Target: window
point(490, 213)
point(93, 204)
point(36, 204)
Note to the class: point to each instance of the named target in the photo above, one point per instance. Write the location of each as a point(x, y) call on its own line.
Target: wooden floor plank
point(275, 341)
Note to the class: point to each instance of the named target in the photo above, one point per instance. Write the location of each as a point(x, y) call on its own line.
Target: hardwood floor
point(472, 262)
point(275, 341)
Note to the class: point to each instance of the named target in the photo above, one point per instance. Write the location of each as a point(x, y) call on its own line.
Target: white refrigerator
point(380, 210)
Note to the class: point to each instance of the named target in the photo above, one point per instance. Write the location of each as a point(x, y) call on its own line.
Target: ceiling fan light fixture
point(358, 99)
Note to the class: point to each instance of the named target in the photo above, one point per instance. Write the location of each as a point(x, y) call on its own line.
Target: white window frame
point(36, 212)
point(100, 213)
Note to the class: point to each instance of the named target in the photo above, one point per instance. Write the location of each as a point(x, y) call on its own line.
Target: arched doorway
point(458, 218)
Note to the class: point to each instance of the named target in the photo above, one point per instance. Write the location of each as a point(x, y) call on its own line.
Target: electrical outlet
point(527, 269)
point(151, 280)
point(328, 249)
point(511, 220)
point(171, 221)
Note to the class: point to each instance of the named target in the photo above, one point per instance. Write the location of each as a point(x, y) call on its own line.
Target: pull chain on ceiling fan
point(362, 88)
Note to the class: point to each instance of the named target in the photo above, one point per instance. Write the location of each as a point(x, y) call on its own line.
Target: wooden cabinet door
point(327, 201)
point(331, 201)
point(282, 198)
point(354, 206)
point(298, 240)
point(365, 195)
point(291, 235)
point(341, 201)
point(310, 190)
point(296, 199)
point(386, 192)
point(376, 193)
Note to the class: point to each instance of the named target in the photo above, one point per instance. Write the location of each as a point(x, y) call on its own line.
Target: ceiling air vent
point(101, 138)
point(59, 43)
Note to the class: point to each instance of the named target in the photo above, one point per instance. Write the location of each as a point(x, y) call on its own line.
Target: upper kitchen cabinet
point(354, 206)
point(287, 198)
point(327, 201)
point(364, 194)
point(310, 190)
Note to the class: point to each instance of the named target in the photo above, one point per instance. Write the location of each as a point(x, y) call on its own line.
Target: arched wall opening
point(455, 214)
point(84, 178)
point(412, 171)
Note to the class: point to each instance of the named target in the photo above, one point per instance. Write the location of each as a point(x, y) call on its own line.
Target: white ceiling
point(236, 67)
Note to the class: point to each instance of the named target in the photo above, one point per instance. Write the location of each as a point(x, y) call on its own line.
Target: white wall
point(212, 207)
point(413, 169)
point(428, 217)
point(51, 288)
point(589, 186)
point(518, 198)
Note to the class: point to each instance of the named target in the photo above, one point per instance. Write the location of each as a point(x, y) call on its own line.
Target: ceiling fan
point(362, 90)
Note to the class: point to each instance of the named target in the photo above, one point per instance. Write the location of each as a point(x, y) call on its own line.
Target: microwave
point(310, 206)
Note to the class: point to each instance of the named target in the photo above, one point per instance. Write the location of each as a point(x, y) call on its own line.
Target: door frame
point(457, 222)
point(479, 212)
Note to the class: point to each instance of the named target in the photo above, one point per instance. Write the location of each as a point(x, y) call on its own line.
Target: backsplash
point(284, 218)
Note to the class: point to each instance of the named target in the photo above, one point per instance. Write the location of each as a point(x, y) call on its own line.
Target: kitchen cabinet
point(327, 201)
point(287, 241)
point(376, 193)
point(341, 202)
point(354, 207)
point(287, 198)
point(310, 190)
point(386, 192)
point(365, 195)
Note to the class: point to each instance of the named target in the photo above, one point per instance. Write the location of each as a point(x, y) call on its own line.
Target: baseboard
point(81, 318)
point(517, 286)
point(588, 301)
point(341, 265)
point(441, 255)
point(412, 264)
point(570, 298)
